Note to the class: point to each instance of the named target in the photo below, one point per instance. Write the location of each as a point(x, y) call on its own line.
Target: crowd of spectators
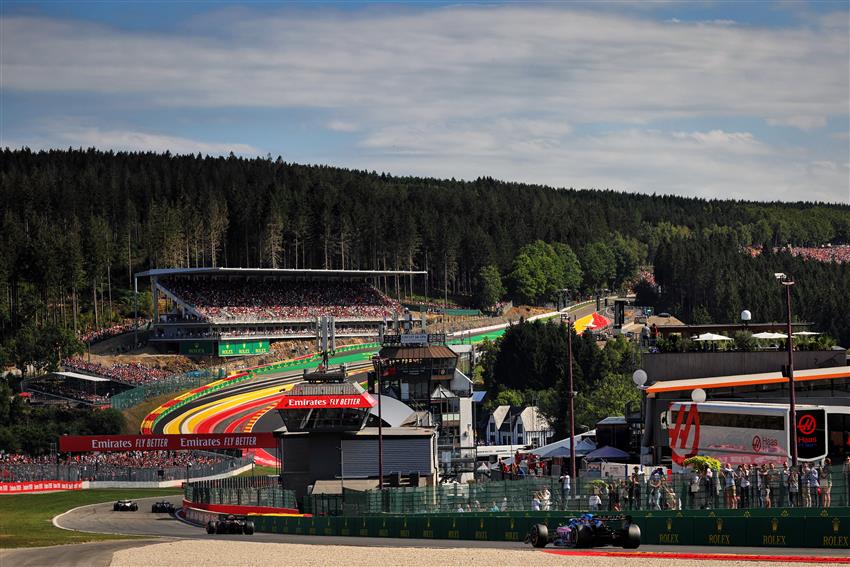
point(109, 332)
point(66, 391)
point(223, 301)
point(144, 459)
point(131, 372)
point(829, 253)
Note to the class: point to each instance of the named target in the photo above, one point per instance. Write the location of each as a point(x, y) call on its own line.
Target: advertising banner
point(185, 442)
point(363, 400)
point(242, 348)
point(197, 347)
point(39, 486)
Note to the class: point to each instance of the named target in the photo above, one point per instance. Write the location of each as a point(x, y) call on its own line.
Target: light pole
point(788, 283)
point(378, 363)
point(571, 397)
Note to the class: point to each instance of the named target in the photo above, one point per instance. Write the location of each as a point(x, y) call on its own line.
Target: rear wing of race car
point(613, 517)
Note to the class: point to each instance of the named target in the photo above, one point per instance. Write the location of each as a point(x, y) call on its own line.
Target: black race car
point(162, 507)
point(125, 506)
point(588, 531)
point(231, 525)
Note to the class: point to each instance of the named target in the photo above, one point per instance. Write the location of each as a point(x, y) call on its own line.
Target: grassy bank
point(26, 519)
point(134, 415)
point(260, 471)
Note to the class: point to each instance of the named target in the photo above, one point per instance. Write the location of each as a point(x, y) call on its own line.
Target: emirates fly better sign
point(184, 442)
point(340, 401)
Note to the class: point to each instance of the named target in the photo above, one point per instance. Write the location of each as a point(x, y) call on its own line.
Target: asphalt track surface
point(100, 518)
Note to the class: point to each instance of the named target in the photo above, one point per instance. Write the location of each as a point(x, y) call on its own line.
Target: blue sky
point(711, 99)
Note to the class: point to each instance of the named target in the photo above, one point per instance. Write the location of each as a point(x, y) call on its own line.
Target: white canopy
point(805, 334)
point(712, 337)
point(769, 335)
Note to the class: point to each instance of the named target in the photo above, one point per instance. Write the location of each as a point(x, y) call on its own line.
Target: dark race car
point(125, 506)
point(231, 525)
point(588, 531)
point(162, 507)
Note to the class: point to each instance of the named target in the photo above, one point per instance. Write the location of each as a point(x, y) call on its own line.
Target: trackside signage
point(102, 443)
point(363, 400)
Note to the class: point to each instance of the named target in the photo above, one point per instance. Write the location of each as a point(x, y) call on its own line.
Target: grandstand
point(241, 311)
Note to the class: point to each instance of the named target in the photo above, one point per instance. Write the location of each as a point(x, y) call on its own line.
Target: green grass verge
point(259, 471)
point(26, 519)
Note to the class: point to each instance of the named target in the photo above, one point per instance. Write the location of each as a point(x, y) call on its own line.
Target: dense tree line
point(706, 278)
point(528, 366)
point(77, 224)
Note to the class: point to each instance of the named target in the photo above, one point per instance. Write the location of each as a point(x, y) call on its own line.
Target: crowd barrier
point(115, 473)
point(764, 528)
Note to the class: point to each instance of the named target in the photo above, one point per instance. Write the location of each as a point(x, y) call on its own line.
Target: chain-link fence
point(655, 492)
point(242, 491)
point(117, 473)
point(175, 383)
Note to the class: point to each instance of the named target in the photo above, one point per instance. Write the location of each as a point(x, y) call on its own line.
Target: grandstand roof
point(79, 376)
point(279, 272)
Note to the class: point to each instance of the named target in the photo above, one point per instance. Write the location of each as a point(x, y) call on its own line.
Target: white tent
point(804, 333)
point(712, 337)
point(768, 335)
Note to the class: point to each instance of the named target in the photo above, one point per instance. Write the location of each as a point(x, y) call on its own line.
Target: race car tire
point(584, 537)
point(115, 507)
point(539, 535)
point(631, 536)
point(210, 527)
point(249, 528)
point(134, 507)
point(154, 509)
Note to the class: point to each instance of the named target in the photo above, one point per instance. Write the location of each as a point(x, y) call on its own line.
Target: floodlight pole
point(791, 388)
point(379, 368)
point(571, 398)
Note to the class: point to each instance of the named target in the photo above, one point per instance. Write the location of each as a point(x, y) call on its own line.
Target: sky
point(712, 99)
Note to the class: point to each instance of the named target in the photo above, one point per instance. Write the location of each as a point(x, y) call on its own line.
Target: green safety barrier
point(823, 529)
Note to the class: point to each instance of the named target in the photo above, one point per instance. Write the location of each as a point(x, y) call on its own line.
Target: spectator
point(826, 483)
point(594, 501)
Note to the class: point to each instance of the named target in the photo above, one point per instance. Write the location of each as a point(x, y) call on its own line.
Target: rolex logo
point(669, 524)
point(836, 525)
point(481, 524)
point(774, 524)
point(719, 524)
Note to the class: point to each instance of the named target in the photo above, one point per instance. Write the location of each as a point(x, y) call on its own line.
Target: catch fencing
point(168, 385)
point(262, 491)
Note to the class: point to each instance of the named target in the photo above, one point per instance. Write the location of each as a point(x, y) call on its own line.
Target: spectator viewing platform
point(207, 311)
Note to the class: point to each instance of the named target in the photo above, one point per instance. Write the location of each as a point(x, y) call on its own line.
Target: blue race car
point(588, 531)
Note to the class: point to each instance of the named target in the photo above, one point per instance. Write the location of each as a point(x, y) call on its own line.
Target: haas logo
point(684, 435)
point(806, 424)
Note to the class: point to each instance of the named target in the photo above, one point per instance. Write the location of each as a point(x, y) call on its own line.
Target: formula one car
point(231, 525)
point(125, 506)
point(588, 531)
point(162, 507)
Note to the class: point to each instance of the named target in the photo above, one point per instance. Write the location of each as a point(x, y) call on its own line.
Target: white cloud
point(510, 91)
point(342, 126)
point(801, 122)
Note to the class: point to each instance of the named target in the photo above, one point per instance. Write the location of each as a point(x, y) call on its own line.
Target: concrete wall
point(685, 365)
